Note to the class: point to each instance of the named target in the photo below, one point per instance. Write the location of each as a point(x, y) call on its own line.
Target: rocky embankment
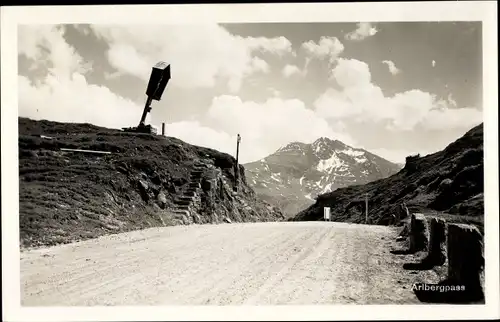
point(144, 181)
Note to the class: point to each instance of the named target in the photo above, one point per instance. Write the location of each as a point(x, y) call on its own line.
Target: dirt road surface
point(290, 263)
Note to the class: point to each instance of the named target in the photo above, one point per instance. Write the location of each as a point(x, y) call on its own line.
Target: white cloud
point(64, 94)
point(351, 73)
point(452, 101)
point(392, 67)
point(74, 100)
point(289, 70)
point(433, 63)
point(327, 47)
point(452, 118)
point(45, 46)
point(199, 54)
point(397, 155)
point(278, 45)
point(364, 30)
point(194, 133)
point(361, 101)
point(260, 65)
point(274, 91)
point(267, 126)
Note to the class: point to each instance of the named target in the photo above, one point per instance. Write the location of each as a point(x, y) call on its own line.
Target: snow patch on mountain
point(332, 163)
point(327, 188)
point(352, 152)
point(361, 160)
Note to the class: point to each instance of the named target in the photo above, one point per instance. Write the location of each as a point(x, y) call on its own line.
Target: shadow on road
point(422, 266)
point(402, 252)
point(427, 263)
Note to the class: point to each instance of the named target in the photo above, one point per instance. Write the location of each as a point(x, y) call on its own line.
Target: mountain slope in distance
point(448, 184)
point(297, 173)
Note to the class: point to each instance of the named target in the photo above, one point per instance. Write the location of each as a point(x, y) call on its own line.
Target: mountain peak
point(297, 172)
point(323, 139)
point(327, 140)
point(324, 146)
point(292, 146)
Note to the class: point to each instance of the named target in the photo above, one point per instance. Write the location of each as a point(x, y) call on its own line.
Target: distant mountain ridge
point(448, 183)
point(295, 174)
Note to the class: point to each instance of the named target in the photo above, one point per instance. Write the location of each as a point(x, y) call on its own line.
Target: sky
point(392, 88)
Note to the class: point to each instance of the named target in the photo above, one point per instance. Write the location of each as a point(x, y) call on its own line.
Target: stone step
point(183, 201)
point(183, 207)
point(196, 219)
point(178, 221)
point(183, 197)
point(180, 211)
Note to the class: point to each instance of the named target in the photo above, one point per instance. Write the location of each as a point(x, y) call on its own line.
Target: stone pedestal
point(418, 233)
point(465, 256)
point(437, 243)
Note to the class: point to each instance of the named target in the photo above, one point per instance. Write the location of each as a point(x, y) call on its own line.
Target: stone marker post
point(465, 257)
point(418, 233)
point(437, 243)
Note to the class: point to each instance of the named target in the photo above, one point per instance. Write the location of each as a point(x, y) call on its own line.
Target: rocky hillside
point(146, 181)
point(297, 173)
point(447, 183)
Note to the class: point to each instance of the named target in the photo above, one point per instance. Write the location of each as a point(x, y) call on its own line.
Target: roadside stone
point(162, 199)
point(418, 233)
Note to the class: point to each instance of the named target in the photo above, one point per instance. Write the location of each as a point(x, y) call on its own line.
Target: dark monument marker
point(160, 75)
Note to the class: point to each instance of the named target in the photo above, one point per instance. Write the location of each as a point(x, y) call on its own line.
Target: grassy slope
point(447, 184)
point(72, 196)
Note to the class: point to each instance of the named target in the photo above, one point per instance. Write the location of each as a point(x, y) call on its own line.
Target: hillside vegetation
point(69, 196)
point(448, 183)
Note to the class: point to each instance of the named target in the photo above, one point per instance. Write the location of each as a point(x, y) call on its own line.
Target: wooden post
point(163, 128)
point(236, 170)
point(147, 109)
point(366, 208)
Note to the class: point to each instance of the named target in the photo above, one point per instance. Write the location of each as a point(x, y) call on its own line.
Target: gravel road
point(250, 264)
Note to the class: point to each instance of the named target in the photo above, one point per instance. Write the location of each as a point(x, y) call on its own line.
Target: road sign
point(326, 213)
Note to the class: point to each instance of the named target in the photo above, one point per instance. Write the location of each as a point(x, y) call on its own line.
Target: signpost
point(366, 208)
point(326, 213)
point(160, 75)
point(236, 169)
